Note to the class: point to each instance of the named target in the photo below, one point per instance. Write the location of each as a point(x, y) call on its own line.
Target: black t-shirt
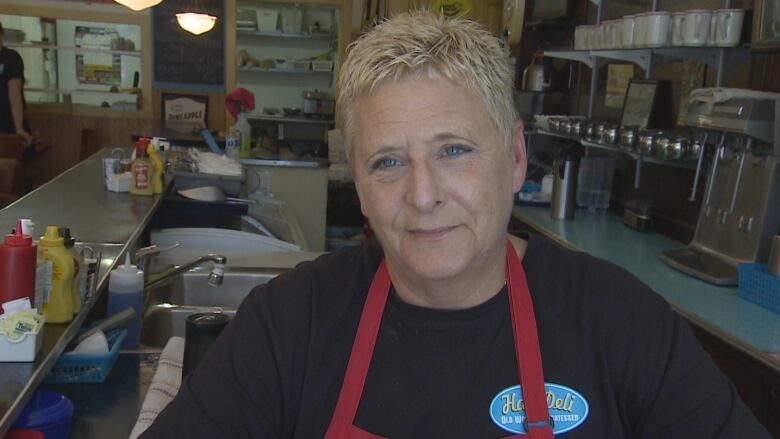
point(11, 67)
point(278, 367)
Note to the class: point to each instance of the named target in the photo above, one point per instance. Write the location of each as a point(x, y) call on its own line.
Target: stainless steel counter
point(109, 222)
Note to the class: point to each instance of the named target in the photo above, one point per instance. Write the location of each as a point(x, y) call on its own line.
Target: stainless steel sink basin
point(191, 288)
point(190, 293)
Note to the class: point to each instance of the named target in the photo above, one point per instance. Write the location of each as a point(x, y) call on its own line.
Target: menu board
point(183, 60)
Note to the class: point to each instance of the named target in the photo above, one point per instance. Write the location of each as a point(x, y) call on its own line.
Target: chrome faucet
point(145, 255)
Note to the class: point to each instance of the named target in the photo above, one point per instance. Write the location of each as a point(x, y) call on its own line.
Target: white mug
point(696, 27)
point(729, 27)
point(640, 29)
point(657, 30)
point(677, 24)
point(629, 29)
point(712, 36)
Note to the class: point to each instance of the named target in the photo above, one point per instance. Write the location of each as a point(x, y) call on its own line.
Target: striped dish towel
point(164, 386)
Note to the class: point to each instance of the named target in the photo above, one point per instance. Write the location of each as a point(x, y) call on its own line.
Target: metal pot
point(565, 126)
point(555, 124)
point(694, 149)
point(589, 130)
point(534, 78)
point(600, 127)
point(628, 137)
point(677, 148)
point(610, 135)
point(317, 103)
point(646, 141)
point(576, 128)
point(661, 144)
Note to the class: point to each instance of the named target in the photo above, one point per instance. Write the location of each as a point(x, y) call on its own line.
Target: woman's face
point(434, 177)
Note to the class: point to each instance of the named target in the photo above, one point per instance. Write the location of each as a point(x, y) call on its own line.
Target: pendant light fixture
point(138, 5)
point(195, 20)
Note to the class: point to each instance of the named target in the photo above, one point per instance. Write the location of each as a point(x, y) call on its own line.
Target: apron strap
point(360, 358)
point(538, 423)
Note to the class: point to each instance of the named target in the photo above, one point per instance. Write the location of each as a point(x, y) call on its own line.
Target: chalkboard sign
point(183, 60)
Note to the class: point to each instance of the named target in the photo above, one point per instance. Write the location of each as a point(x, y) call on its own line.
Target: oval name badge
point(568, 408)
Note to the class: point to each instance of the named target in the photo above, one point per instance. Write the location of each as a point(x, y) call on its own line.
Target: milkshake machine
point(740, 208)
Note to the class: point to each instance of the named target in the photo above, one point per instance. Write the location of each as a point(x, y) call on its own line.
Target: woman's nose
point(423, 189)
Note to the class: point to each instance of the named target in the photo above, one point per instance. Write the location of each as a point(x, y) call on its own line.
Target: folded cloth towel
point(165, 384)
point(714, 95)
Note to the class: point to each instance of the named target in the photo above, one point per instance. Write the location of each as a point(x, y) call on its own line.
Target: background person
point(12, 104)
point(429, 330)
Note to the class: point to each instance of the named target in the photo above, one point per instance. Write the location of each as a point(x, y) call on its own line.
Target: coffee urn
point(564, 190)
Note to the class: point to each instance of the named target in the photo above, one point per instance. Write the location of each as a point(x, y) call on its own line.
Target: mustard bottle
point(141, 170)
point(157, 169)
point(58, 306)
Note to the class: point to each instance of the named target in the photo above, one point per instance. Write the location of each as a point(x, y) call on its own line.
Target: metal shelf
point(642, 57)
point(290, 119)
point(303, 35)
point(78, 50)
point(686, 164)
point(283, 71)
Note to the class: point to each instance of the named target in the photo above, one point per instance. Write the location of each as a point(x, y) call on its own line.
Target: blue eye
point(385, 163)
point(455, 150)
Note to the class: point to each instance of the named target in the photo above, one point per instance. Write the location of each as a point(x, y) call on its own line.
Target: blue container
point(73, 368)
point(759, 286)
point(47, 412)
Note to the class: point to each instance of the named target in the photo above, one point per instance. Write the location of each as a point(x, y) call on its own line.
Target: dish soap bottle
point(58, 306)
point(245, 135)
point(141, 170)
point(157, 169)
point(125, 290)
point(79, 278)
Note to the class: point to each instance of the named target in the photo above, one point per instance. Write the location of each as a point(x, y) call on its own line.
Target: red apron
point(529, 359)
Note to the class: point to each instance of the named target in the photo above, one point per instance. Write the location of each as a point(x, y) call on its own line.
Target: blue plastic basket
point(87, 368)
point(759, 287)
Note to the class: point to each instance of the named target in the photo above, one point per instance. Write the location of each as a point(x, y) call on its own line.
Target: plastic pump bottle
point(17, 267)
point(78, 287)
point(125, 290)
point(58, 307)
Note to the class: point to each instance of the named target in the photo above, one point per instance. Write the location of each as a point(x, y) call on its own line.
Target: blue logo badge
point(568, 408)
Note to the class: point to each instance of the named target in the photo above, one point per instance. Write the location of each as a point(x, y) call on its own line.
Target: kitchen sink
point(190, 293)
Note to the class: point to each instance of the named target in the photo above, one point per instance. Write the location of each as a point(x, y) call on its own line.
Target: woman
point(431, 331)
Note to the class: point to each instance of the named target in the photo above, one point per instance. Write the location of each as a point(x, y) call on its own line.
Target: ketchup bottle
point(17, 267)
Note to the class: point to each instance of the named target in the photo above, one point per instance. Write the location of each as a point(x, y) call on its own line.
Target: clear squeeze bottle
point(78, 286)
point(125, 290)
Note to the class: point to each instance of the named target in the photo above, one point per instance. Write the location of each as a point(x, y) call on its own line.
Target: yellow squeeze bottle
point(58, 307)
point(157, 169)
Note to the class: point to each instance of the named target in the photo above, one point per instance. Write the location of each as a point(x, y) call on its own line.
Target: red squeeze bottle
point(17, 267)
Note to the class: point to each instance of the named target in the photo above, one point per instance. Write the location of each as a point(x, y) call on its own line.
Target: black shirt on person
point(277, 369)
point(11, 67)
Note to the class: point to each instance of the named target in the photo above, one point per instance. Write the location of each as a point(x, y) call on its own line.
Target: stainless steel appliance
point(320, 104)
point(739, 211)
point(563, 203)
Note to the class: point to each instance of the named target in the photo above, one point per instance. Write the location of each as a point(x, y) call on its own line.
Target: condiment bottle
point(17, 267)
point(79, 271)
point(141, 170)
point(58, 306)
point(157, 169)
point(125, 290)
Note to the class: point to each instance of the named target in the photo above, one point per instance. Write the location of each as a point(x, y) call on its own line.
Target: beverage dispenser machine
point(740, 209)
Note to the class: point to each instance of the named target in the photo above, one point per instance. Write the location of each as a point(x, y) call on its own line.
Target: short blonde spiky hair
point(422, 42)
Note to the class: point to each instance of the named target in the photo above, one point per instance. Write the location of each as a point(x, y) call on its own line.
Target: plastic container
point(125, 290)
point(594, 183)
point(78, 287)
point(17, 266)
point(759, 286)
point(73, 368)
point(47, 412)
point(59, 306)
point(23, 349)
point(244, 130)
